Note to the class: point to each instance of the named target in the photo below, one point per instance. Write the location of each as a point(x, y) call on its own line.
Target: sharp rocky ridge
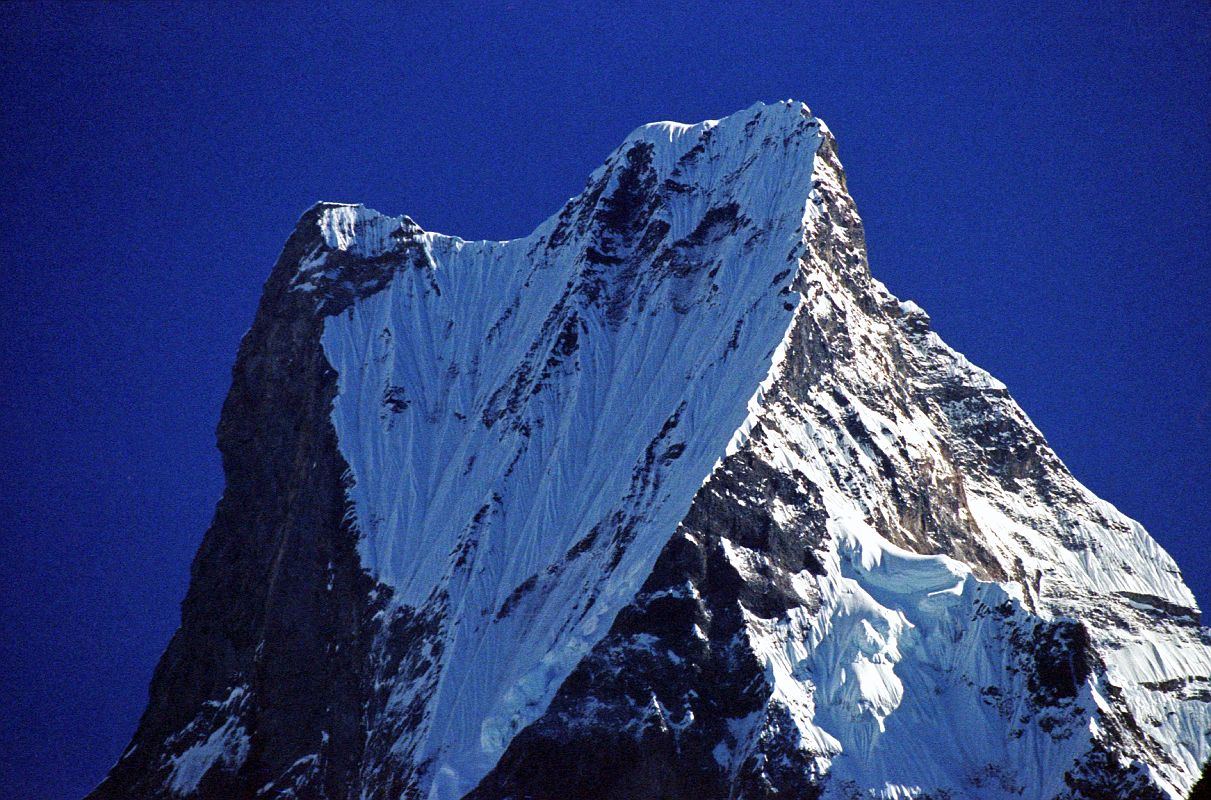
point(669, 499)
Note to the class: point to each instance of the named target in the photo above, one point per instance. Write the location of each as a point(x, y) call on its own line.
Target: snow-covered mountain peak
point(757, 162)
point(670, 492)
point(673, 139)
point(761, 137)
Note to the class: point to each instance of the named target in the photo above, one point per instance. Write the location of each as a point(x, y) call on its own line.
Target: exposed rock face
point(670, 499)
point(266, 658)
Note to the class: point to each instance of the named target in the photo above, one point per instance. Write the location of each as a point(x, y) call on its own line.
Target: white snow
point(226, 745)
point(357, 230)
point(422, 475)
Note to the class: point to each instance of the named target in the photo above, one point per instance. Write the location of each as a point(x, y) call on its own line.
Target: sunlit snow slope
point(669, 499)
point(526, 422)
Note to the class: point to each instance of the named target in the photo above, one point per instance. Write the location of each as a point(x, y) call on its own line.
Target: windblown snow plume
point(669, 499)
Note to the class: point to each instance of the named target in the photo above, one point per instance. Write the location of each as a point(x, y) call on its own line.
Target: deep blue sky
point(1039, 180)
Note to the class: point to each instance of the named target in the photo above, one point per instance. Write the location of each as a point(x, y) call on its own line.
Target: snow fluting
point(669, 498)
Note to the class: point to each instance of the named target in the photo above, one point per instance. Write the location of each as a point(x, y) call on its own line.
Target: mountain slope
point(668, 499)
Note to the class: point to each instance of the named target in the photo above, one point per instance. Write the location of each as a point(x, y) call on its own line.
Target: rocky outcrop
point(264, 683)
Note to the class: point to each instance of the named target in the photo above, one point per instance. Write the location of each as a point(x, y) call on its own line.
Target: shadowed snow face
point(544, 409)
